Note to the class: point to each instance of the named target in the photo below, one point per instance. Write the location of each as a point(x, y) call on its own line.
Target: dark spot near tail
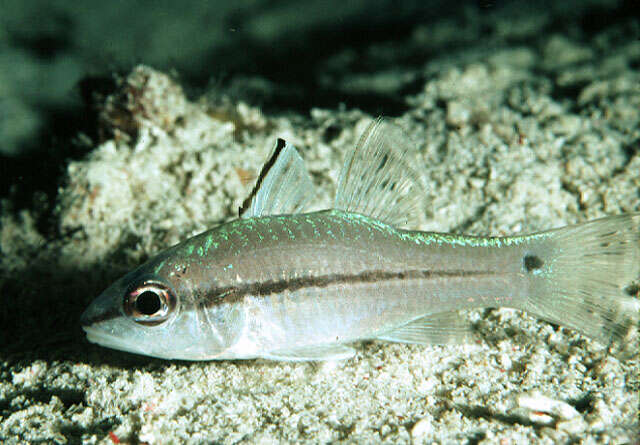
point(532, 262)
point(633, 290)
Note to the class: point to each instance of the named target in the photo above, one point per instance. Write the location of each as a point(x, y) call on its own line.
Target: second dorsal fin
point(377, 179)
point(283, 186)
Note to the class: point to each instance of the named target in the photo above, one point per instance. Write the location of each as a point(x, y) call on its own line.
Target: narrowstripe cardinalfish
point(281, 284)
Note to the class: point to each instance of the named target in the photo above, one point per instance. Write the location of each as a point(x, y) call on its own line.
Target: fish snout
point(103, 308)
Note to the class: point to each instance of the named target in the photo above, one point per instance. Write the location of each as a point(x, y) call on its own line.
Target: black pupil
point(148, 303)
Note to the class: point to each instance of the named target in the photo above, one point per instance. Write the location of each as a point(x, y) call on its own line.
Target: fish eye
point(149, 303)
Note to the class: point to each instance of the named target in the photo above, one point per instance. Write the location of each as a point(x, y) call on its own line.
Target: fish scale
point(368, 279)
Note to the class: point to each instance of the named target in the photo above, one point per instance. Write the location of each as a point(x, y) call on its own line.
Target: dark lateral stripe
point(265, 288)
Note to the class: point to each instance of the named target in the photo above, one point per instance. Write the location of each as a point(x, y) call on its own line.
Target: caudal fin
point(582, 274)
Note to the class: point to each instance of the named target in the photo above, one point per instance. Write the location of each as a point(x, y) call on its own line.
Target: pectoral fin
point(434, 329)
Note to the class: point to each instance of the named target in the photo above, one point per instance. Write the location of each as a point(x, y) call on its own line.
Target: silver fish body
point(328, 277)
point(303, 286)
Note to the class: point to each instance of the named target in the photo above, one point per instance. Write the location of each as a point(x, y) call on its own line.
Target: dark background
point(58, 58)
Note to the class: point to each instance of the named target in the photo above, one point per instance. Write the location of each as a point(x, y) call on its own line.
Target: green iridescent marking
point(314, 227)
point(458, 240)
point(200, 251)
point(160, 266)
point(190, 249)
point(289, 232)
point(340, 222)
point(236, 231)
point(208, 242)
point(329, 231)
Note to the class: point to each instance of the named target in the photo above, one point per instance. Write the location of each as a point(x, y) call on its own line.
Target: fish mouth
point(96, 336)
point(102, 338)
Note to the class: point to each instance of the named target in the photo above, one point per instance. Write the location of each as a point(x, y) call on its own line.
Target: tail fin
point(582, 275)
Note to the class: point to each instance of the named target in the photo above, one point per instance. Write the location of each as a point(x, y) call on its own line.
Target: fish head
point(153, 314)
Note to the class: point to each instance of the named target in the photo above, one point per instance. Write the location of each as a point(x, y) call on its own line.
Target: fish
point(284, 283)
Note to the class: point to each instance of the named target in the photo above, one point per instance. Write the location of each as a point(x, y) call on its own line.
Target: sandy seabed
point(514, 134)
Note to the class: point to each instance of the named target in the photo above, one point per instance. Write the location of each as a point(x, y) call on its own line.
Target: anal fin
point(443, 328)
point(312, 353)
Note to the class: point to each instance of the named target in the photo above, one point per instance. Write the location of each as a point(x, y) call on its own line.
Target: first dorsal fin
point(283, 186)
point(377, 179)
